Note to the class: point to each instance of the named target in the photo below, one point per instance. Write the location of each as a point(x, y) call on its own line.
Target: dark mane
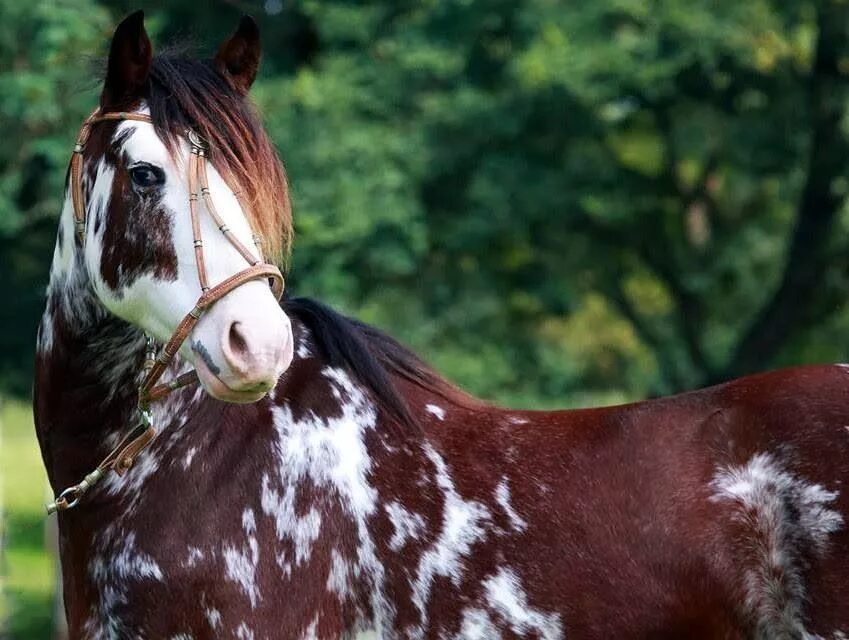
point(187, 93)
point(373, 358)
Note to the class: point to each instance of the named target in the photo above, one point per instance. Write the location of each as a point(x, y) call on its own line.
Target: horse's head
point(139, 245)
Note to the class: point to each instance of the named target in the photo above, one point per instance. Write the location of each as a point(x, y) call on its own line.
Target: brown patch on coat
point(136, 227)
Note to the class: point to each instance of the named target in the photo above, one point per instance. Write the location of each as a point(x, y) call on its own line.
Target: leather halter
point(121, 458)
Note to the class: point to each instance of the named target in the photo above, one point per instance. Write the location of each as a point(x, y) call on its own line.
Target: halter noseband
point(121, 458)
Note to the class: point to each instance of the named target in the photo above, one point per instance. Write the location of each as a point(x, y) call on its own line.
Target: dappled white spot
point(117, 564)
point(330, 453)
point(462, 525)
point(44, 339)
point(284, 564)
point(785, 516)
point(213, 617)
point(517, 420)
point(302, 530)
point(407, 525)
point(303, 342)
point(195, 555)
point(310, 633)
point(190, 454)
point(763, 485)
point(506, 596)
point(477, 625)
point(241, 562)
point(244, 632)
point(126, 564)
point(435, 410)
point(502, 497)
point(169, 415)
point(114, 369)
point(303, 351)
point(339, 579)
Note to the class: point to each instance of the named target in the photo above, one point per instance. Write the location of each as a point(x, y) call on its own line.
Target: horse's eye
point(146, 176)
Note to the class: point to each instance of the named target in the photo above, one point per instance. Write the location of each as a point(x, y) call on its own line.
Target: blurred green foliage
point(27, 571)
point(556, 203)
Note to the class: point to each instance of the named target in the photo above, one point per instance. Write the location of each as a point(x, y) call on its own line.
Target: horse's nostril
point(251, 350)
point(238, 344)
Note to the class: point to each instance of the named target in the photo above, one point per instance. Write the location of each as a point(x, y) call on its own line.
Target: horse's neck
point(328, 441)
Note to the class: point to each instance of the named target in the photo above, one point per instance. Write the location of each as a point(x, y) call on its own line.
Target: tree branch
point(657, 259)
point(783, 314)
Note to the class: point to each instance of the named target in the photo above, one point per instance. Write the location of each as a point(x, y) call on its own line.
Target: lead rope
point(122, 456)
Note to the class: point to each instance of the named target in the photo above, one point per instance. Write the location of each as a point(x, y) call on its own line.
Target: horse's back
point(782, 476)
point(764, 464)
point(726, 505)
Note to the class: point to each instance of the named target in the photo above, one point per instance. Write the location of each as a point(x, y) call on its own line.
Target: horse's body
point(714, 514)
point(366, 493)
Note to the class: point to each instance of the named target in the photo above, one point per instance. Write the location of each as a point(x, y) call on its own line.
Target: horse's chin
point(215, 387)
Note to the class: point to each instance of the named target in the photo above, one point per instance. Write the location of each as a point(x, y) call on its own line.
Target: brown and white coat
point(363, 492)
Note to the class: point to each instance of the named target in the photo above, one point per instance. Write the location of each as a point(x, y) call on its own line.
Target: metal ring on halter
point(195, 139)
point(63, 502)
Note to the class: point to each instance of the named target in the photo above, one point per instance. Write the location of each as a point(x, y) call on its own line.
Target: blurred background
point(555, 203)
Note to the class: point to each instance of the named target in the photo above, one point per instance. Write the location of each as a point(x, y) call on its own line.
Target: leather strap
point(184, 328)
point(121, 458)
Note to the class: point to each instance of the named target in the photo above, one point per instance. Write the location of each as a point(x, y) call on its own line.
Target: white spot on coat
point(244, 632)
point(331, 453)
point(339, 578)
point(408, 526)
point(462, 525)
point(784, 516)
point(502, 497)
point(241, 563)
point(435, 410)
point(311, 631)
point(506, 597)
point(477, 625)
point(190, 454)
point(213, 617)
point(116, 566)
point(194, 557)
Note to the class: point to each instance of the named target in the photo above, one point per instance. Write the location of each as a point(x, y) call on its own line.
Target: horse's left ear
point(129, 64)
point(238, 58)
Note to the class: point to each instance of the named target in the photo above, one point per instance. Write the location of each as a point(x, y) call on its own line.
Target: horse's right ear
point(238, 58)
point(129, 64)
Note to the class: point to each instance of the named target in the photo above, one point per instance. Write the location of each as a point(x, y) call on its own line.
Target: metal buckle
point(146, 416)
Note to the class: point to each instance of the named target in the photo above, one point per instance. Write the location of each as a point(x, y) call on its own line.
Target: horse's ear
point(129, 64)
point(238, 58)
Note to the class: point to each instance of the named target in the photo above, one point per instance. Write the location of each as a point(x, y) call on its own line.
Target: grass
point(26, 570)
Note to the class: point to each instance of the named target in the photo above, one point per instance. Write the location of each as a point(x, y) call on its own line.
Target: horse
point(312, 478)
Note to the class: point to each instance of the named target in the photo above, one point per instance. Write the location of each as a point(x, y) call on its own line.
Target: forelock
point(191, 94)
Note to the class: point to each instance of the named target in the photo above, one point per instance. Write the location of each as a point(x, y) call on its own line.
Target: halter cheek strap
point(121, 458)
